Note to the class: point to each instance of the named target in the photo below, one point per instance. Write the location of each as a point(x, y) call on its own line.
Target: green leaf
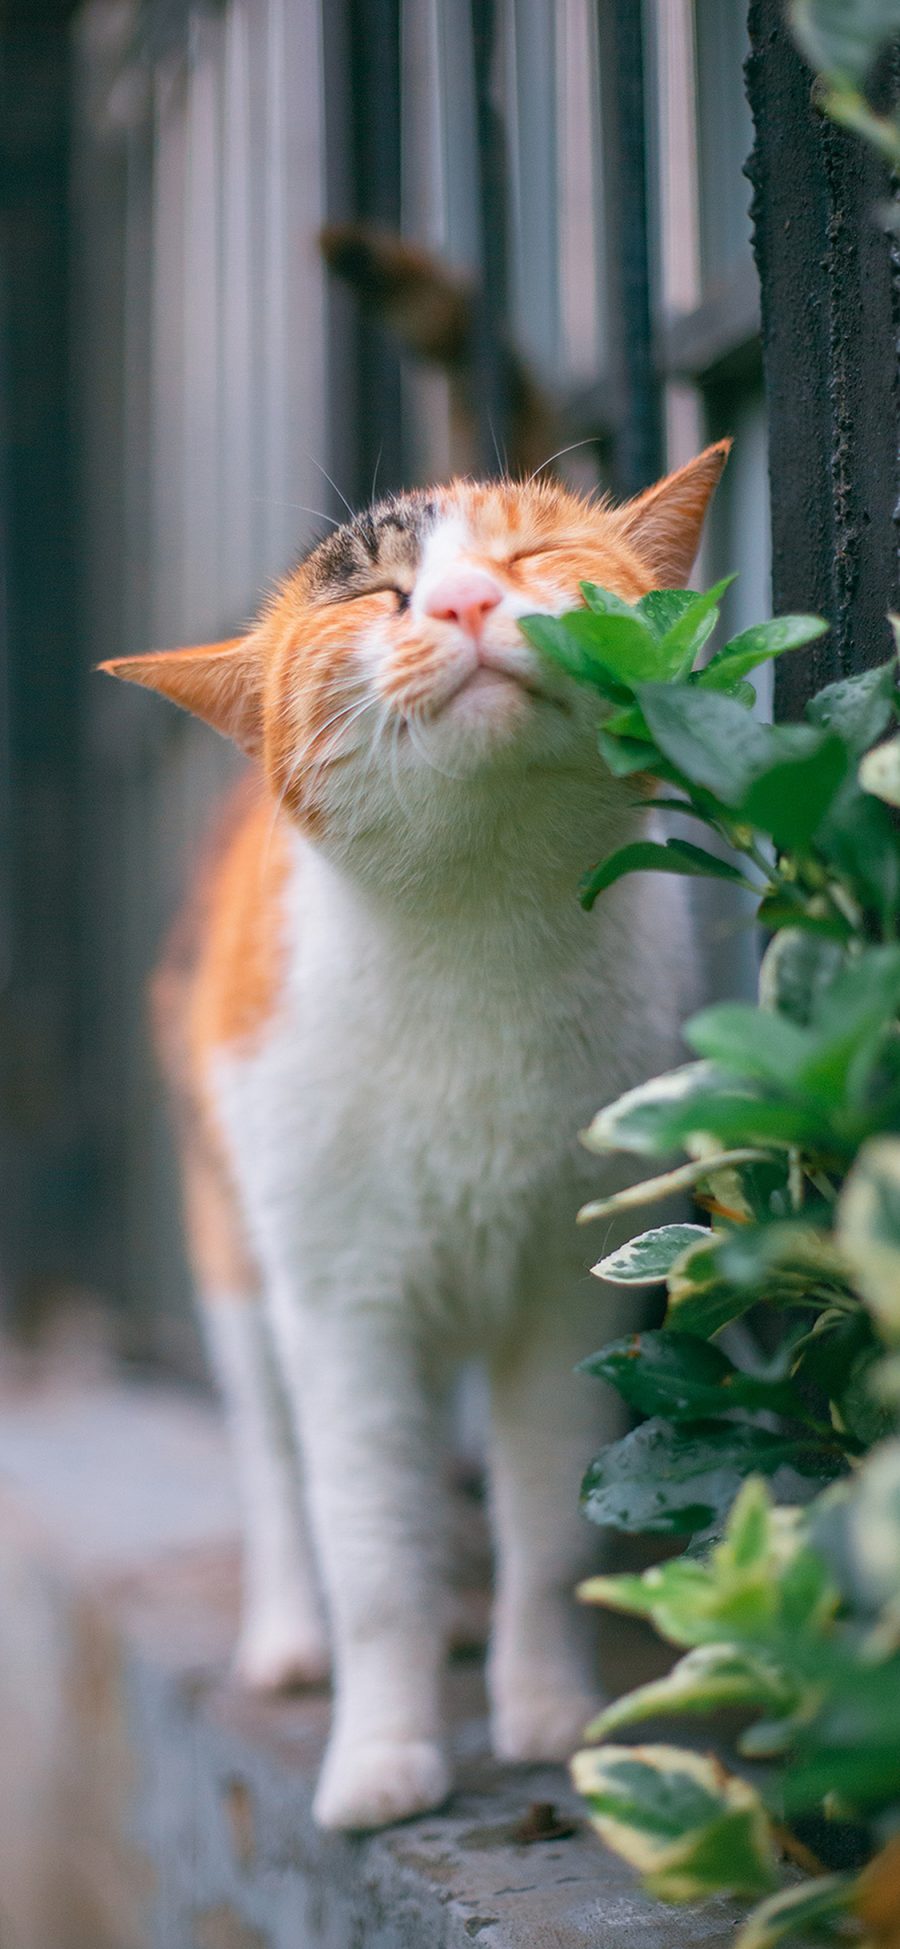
point(816, 918)
point(852, 1747)
point(700, 1300)
point(645, 1260)
point(708, 863)
point(641, 1120)
point(710, 1678)
point(828, 1354)
point(670, 1481)
point(739, 1114)
point(749, 1042)
point(681, 1376)
point(755, 646)
point(647, 856)
point(618, 640)
point(663, 608)
point(856, 1528)
point(841, 38)
point(711, 739)
point(868, 1230)
point(747, 1545)
point(864, 993)
point(780, 778)
point(760, 1580)
point(879, 771)
point(673, 1596)
point(622, 756)
point(667, 1185)
point(797, 968)
point(756, 1257)
point(858, 839)
point(813, 1070)
point(558, 638)
point(683, 806)
point(629, 723)
point(749, 1192)
point(853, 1016)
point(797, 1911)
point(742, 691)
point(683, 642)
point(789, 798)
point(602, 602)
point(686, 1825)
point(858, 1412)
point(857, 708)
point(704, 1310)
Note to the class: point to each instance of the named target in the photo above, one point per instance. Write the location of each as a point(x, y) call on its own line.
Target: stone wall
point(148, 1805)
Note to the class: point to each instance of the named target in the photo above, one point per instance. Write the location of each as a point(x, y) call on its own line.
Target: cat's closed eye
point(528, 554)
point(390, 589)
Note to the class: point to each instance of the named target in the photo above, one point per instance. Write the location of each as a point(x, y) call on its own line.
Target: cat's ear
point(220, 682)
point(664, 524)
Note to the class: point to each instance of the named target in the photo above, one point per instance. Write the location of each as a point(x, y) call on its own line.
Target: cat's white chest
point(411, 1117)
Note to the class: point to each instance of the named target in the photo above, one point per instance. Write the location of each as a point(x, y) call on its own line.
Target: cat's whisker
point(375, 473)
point(323, 756)
point(558, 455)
point(413, 720)
point(395, 769)
point(351, 712)
point(333, 483)
point(502, 459)
point(365, 774)
point(337, 745)
point(275, 501)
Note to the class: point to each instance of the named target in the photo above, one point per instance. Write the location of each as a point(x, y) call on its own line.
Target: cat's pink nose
point(465, 596)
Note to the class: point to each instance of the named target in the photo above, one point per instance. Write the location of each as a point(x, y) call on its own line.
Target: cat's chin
point(489, 699)
point(492, 715)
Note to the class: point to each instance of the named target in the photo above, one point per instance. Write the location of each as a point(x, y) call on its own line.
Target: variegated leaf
point(636, 1121)
point(796, 1911)
point(667, 1185)
point(879, 771)
point(705, 1680)
point(868, 1230)
point(646, 1260)
point(687, 1826)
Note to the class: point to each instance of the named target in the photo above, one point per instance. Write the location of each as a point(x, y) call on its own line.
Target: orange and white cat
point(394, 1021)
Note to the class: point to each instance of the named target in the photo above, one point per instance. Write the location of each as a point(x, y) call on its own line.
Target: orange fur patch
point(306, 731)
point(236, 980)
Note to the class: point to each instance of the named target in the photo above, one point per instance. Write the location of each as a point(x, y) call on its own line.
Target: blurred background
point(186, 394)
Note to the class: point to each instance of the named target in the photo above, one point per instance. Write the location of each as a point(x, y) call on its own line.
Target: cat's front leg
point(366, 1419)
point(546, 1425)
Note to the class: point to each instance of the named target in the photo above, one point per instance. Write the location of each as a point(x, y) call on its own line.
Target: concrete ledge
point(145, 1802)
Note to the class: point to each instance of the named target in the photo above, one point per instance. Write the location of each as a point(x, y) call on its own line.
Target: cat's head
point(391, 659)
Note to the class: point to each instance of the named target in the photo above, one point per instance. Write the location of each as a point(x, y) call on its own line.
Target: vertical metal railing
point(490, 382)
point(829, 346)
point(637, 444)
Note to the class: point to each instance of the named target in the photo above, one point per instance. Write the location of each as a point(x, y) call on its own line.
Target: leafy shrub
point(782, 1468)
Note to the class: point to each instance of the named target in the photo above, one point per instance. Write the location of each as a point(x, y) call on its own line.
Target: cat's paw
point(377, 1781)
point(541, 1722)
point(278, 1654)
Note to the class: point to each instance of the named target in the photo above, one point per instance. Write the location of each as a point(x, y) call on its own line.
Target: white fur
point(404, 1138)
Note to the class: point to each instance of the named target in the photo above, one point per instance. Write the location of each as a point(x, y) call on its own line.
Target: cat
point(390, 1024)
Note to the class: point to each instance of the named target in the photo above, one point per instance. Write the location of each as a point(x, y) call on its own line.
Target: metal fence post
point(830, 359)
